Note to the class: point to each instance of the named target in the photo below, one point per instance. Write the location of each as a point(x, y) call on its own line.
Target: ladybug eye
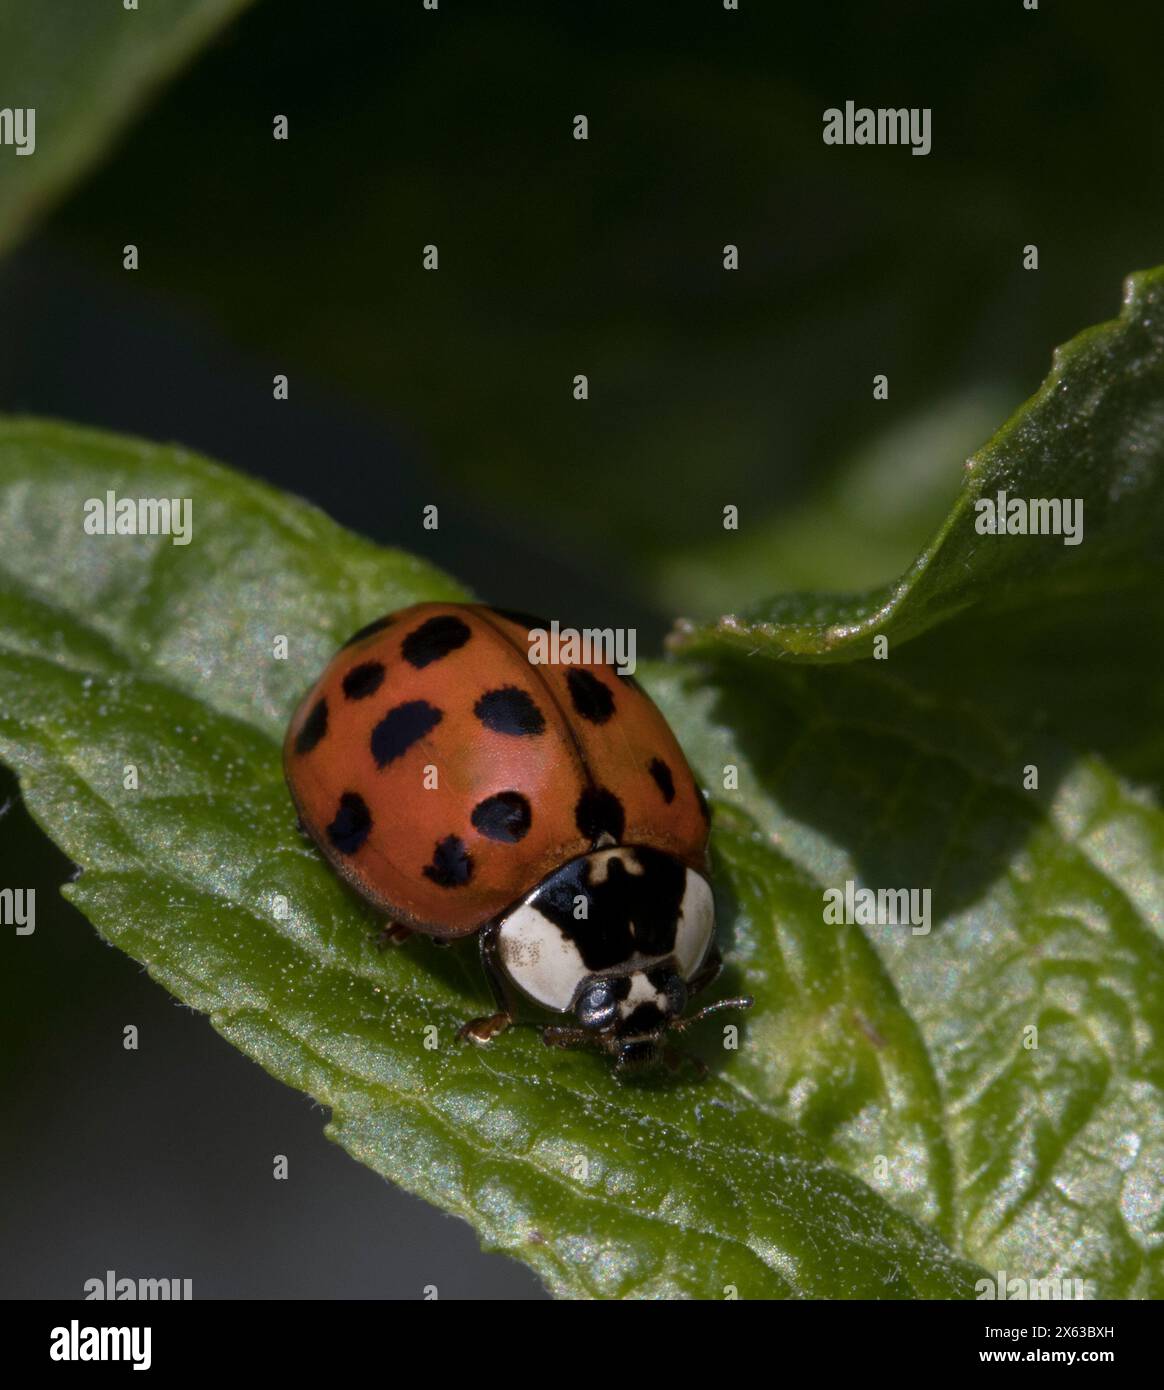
point(597, 1006)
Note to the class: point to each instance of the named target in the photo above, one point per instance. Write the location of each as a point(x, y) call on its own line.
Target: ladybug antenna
point(745, 1001)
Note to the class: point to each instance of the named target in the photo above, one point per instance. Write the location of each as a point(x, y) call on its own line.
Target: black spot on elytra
point(372, 628)
point(364, 680)
point(505, 817)
point(509, 711)
point(400, 728)
point(352, 824)
point(435, 638)
point(704, 808)
point(451, 865)
point(526, 620)
point(593, 700)
point(663, 779)
point(314, 728)
point(599, 812)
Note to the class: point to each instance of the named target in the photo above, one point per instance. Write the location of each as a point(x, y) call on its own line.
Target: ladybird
point(462, 789)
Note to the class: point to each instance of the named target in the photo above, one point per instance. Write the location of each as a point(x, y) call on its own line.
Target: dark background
point(407, 388)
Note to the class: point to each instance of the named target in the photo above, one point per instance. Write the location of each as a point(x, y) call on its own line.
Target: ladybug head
point(628, 1015)
point(618, 937)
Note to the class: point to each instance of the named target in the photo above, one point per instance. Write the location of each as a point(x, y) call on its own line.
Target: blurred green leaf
point(131, 650)
point(85, 69)
point(605, 257)
point(864, 524)
point(1094, 431)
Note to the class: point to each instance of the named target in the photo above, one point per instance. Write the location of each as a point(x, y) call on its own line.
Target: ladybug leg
point(392, 934)
point(482, 1031)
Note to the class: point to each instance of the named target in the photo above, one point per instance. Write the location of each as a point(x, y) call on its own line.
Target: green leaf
point(132, 650)
point(1038, 1153)
point(1047, 911)
point(84, 69)
point(1094, 431)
